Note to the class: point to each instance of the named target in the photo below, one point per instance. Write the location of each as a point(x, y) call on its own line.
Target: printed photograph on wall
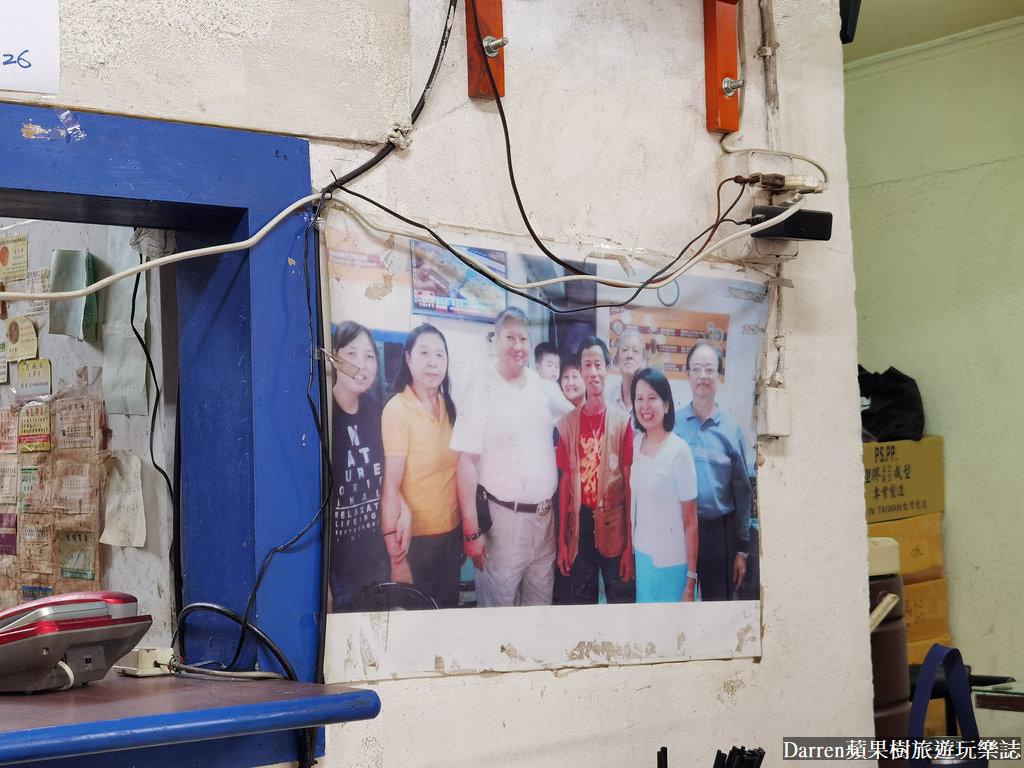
point(490, 452)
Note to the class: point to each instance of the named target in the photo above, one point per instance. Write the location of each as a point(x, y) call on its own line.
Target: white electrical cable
point(240, 674)
point(69, 672)
point(798, 203)
point(611, 282)
point(163, 260)
point(737, 136)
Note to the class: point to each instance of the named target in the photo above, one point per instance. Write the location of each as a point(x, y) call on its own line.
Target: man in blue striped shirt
point(724, 492)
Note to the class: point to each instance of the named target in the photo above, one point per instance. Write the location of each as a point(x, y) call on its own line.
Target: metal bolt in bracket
point(493, 45)
point(730, 86)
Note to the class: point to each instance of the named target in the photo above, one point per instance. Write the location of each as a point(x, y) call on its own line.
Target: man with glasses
point(724, 493)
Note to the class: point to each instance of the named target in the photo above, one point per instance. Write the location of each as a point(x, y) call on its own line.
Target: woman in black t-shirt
point(358, 558)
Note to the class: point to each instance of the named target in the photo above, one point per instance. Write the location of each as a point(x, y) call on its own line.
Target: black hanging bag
point(892, 408)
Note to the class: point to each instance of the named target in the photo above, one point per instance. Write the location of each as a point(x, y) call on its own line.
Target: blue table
point(171, 718)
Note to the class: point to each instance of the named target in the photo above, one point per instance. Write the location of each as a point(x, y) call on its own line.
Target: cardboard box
point(926, 609)
point(935, 719)
point(920, 540)
point(918, 649)
point(903, 478)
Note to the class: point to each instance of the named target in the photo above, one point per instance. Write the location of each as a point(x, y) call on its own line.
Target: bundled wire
point(656, 280)
point(388, 148)
point(508, 150)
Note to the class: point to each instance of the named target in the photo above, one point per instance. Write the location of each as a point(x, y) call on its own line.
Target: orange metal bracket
point(489, 13)
point(721, 62)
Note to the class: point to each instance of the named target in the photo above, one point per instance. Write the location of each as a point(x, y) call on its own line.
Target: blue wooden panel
point(130, 158)
point(250, 461)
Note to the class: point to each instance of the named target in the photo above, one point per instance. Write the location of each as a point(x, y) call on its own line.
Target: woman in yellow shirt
point(421, 518)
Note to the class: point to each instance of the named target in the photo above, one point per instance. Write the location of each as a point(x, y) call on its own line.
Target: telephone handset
point(64, 640)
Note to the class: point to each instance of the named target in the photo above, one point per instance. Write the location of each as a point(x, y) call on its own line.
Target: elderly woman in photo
point(422, 523)
point(663, 487)
point(358, 558)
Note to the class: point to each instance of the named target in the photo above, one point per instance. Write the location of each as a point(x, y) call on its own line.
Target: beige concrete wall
point(335, 68)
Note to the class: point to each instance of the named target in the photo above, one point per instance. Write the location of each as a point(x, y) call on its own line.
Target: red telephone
point(56, 642)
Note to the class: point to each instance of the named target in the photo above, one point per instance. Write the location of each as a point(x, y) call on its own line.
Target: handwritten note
point(125, 518)
point(30, 46)
point(33, 380)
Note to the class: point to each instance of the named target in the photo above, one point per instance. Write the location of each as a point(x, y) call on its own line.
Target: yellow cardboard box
point(926, 609)
point(935, 719)
point(903, 478)
point(918, 649)
point(920, 540)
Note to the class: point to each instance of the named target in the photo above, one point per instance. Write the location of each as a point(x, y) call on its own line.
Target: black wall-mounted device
point(802, 225)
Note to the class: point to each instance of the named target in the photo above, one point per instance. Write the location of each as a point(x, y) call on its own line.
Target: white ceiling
point(885, 25)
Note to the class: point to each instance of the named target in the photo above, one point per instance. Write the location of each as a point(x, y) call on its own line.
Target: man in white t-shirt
point(503, 436)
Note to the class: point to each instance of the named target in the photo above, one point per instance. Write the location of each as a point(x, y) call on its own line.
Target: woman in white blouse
point(663, 488)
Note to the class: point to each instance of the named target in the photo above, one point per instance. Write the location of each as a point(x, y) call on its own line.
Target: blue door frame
point(250, 461)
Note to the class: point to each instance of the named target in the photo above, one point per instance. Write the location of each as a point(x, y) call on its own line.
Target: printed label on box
point(903, 478)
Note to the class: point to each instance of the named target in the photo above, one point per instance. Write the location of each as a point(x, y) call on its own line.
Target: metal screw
point(492, 45)
point(730, 86)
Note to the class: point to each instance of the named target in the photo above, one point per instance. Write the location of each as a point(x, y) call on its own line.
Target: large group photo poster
point(514, 487)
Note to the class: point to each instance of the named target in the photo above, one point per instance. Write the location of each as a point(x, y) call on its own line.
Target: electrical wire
point(659, 279)
point(388, 148)
point(240, 674)
point(325, 455)
point(156, 385)
point(316, 336)
point(99, 285)
point(737, 136)
point(305, 737)
point(493, 276)
point(508, 150)
point(798, 202)
point(260, 635)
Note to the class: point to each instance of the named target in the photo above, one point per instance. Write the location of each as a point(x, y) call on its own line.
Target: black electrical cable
point(508, 149)
point(175, 551)
point(176, 563)
point(156, 385)
point(306, 737)
point(388, 148)
point(325, 457)
point(530, 297)
point(327, 474)
point(262, 636)
point(259, 579)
